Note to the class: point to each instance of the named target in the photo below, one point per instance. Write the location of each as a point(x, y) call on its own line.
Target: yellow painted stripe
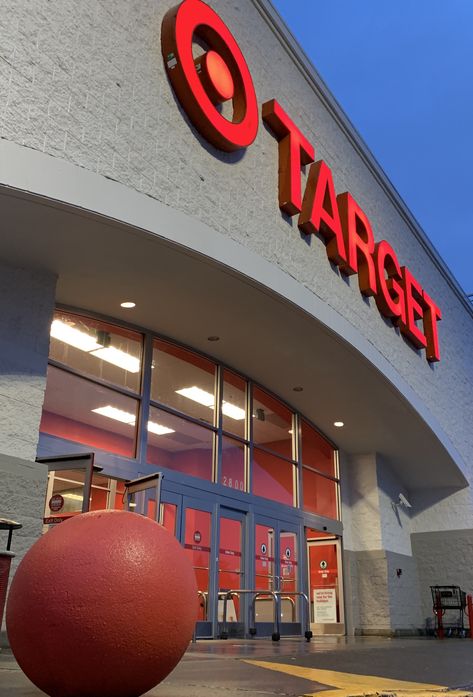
point(351, 684)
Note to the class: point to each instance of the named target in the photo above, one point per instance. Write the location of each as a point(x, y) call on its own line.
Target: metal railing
point(276, 597)
point(204, 596)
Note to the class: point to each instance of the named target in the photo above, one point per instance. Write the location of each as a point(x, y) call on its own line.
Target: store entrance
point(325, 583)
point(276, 562)
point(232, 551)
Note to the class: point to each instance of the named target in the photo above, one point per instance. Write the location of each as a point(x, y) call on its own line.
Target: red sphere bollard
point(104, 603)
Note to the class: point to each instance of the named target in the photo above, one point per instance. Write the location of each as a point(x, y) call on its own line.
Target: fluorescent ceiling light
point(159, 430)
point(197, 395)
point(118, 358)
point(233, 411)
point(74, 337)
point(126, 418)
point(338, 424)
point(207, 400)
point(82, 341)
point(116, 414)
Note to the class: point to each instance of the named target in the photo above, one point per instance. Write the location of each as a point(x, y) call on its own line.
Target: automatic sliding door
point(230, 568)
point(276, 556)
point(197, 543)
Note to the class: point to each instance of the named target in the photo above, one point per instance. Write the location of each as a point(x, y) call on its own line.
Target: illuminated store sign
point(221, 75)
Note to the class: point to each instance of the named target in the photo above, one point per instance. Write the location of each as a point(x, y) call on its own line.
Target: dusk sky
point(403, 72)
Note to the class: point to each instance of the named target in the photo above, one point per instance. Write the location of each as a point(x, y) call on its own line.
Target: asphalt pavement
point(345, 667)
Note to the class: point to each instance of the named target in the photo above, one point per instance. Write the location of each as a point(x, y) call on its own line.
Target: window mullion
point(142, 432)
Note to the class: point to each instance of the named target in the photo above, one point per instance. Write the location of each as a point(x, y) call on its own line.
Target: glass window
point(67, 493)
point(197, 546)
point(324, 582)
point(168, 517)
point(179, 444)
point(264, 557)
point(320, 494)
point(289, 567)
point(97, 349)
point(272, 423)
point(234, 404)
point(184, 381)
point(288, 553)
point(273, 478)
point(83, 412)
point(230, 563)
point(233, 464)
point(316, 451)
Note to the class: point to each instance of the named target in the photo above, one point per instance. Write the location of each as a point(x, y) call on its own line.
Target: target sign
point(217, 76)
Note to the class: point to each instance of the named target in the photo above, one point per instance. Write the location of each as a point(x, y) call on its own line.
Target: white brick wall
point(85, 82)
point(26, 305)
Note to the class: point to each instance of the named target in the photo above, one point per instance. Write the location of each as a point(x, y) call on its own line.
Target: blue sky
point(403, 72)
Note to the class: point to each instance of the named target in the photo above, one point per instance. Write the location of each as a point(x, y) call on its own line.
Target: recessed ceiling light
point(338, 424)
point(128, 305)
point(213, 338)
point(298, 389)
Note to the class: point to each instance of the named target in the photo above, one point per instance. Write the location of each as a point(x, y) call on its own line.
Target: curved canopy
point(108, 243)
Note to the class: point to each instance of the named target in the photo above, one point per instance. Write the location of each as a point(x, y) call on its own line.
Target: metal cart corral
point(449, 604)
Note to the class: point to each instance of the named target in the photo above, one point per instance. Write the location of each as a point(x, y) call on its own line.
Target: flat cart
point(449, 604)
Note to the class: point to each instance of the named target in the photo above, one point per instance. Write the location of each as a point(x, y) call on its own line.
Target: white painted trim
point(61, 182)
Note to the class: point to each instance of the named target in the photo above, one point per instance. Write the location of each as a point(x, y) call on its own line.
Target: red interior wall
point(86, 434)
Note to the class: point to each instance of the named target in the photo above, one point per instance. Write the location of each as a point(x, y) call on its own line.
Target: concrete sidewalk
point(293, 667)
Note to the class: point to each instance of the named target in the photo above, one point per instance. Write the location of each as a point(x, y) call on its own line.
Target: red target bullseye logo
point(203, 84)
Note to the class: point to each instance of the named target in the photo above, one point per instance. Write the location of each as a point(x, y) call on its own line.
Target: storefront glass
point(97, 349)
point(233, 404)
point(82, 411)
point(233, 464)
point(184, 381)
point(272, 424)
point(273, 477)
point(179, 444)
point(197, 422)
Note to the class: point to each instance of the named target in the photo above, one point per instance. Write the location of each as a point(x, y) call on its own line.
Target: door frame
point(225, 511)
point(336, 628)
point(203, 628)
point(279, 526)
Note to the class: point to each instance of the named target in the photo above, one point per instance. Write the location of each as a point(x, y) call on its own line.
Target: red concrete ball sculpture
point(105, 603)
